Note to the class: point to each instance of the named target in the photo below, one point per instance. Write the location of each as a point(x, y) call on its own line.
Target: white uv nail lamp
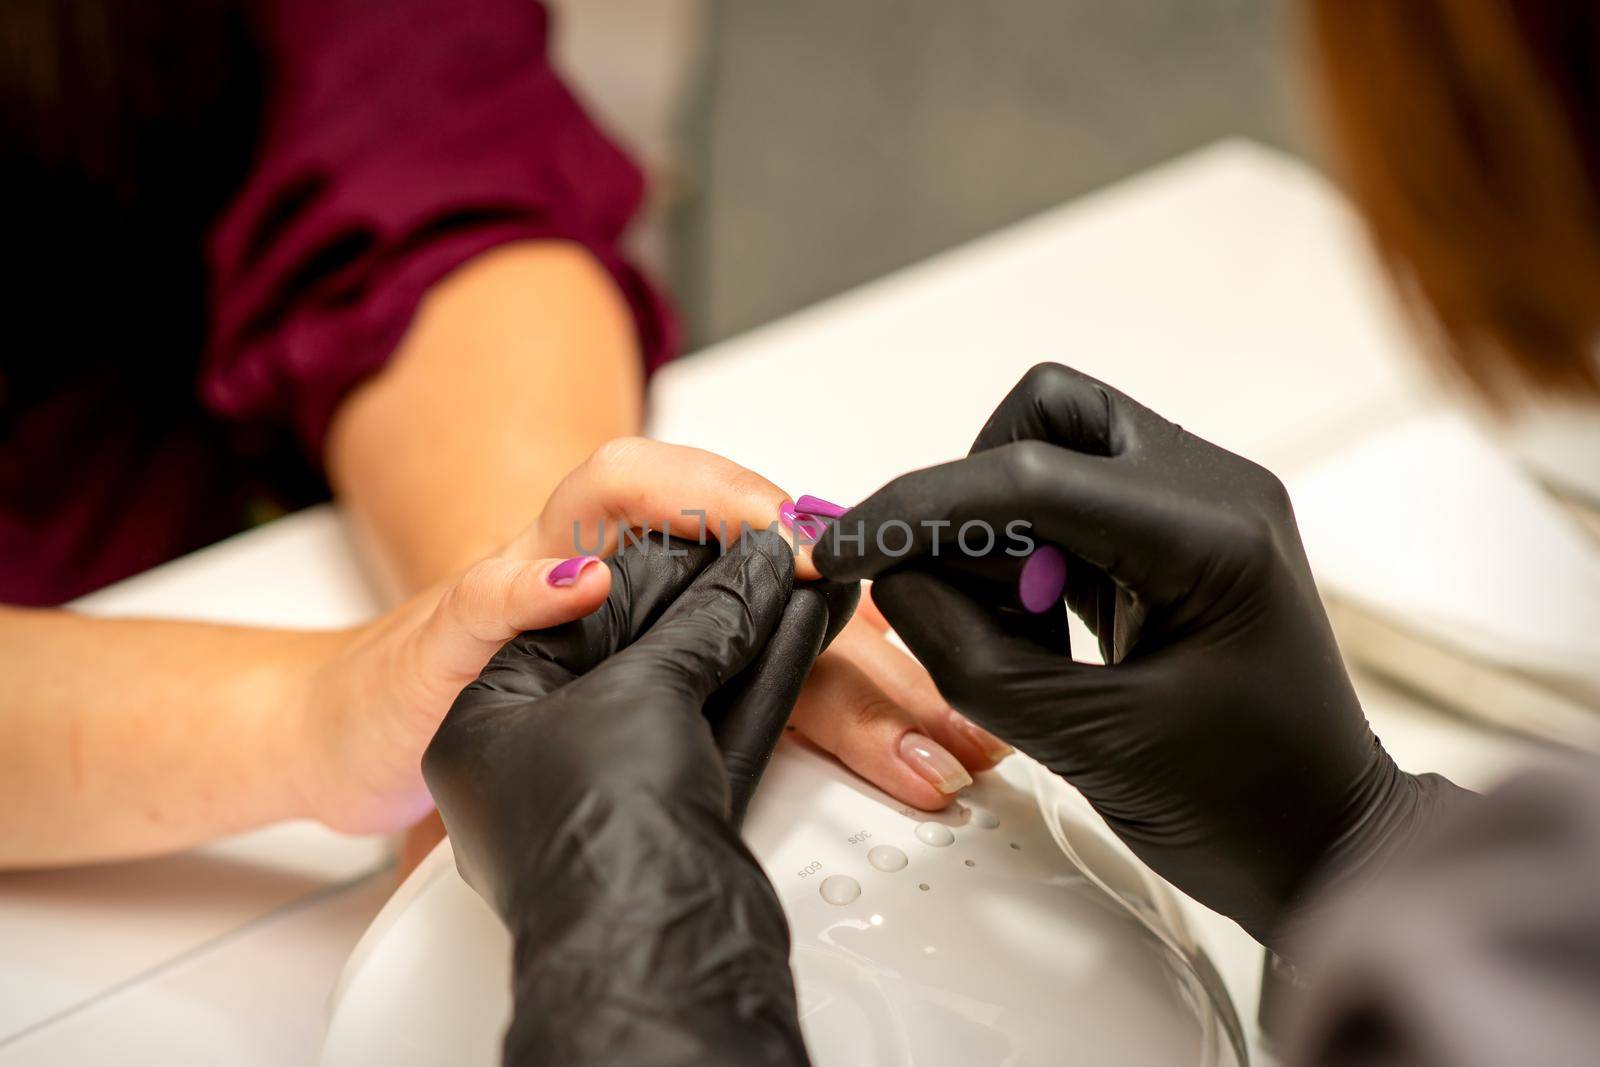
point(1010, 929)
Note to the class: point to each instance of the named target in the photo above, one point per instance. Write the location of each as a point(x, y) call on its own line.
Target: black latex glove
point(587, 800)
point(1224, 743)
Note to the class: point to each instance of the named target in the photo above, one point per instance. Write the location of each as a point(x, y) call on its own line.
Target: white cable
point(1166, 925)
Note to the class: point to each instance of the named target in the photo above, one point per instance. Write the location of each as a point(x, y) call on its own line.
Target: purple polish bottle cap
point(1043, 579)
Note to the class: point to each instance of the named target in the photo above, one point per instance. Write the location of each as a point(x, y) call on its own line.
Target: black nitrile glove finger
point(593, 815)
point(747, 716)
point(841, 600)
point(645, 580)
point(1224, 743)
point(1079, 419)
point(459, 762)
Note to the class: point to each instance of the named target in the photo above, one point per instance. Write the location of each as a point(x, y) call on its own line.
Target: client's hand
point(582, 784)
point(373, 696)
point(867, 702)
point(1224, 743)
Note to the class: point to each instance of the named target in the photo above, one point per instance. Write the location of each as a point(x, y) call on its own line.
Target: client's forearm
point(121, 738)
point(516, 368)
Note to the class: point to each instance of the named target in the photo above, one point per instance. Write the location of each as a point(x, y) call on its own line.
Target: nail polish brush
point(1038, 576)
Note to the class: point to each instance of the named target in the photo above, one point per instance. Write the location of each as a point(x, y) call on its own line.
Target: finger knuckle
point(1270, 491)
point(472, 598)
point(1249, 538)
point(617, 454)
point(746, 484)
point(1030, 466)
point(1046, 379)
point(878, 713)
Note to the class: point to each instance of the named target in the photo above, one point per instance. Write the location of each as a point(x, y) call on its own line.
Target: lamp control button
point(982, 818)
point(840, 889)
point(887, 858)
point(936, 834)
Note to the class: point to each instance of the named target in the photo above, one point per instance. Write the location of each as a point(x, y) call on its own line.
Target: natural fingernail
point(566, 572)
point(930, 759)
point(991, 745)
point(815, 505)
point(804, 526)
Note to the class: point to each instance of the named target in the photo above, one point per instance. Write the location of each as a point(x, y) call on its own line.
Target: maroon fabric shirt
point(227, 215)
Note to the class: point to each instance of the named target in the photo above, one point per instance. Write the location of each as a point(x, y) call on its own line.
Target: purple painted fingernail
point(804, 526)
point(1043, 579)
point(815, 505)
point(566, 572)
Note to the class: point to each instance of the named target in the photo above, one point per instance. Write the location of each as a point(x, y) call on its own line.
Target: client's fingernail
point(930, 759)
point(815, 505)
point(566, 572)
point(804, 526)
point(991, 745)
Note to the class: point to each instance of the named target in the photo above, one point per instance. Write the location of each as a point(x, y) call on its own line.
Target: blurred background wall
point(801, 147)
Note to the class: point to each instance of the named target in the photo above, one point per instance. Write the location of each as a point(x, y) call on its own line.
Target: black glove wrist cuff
point(1397, 808)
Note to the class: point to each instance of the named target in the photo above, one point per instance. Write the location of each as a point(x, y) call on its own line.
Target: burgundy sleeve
point(400, 139)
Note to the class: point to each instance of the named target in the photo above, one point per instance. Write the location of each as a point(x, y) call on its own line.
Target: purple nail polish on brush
point(1043, 579)
point(566, 572)
point(815, 505)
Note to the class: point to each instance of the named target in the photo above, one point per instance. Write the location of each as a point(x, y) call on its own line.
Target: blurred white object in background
point(1449, 569)
point(1560, 445)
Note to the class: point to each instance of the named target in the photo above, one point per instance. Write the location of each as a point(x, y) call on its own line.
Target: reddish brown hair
point(1468, 133)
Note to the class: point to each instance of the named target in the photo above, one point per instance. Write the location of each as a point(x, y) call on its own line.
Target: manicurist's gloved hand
point(589, 780)
point(866, 703)
point(1223, 742)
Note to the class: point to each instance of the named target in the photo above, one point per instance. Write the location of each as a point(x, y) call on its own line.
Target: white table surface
point(1229, 289)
